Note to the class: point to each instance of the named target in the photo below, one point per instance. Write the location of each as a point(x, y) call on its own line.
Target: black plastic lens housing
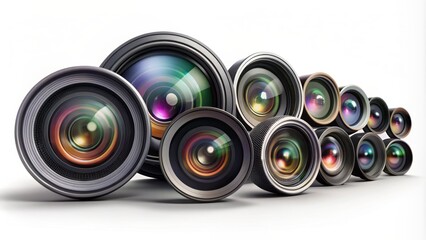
point(337, 154)
point(82, 132)
point(379, 116)
point(265, 86)
point(173, 73)
point(399, 157)
point(370, 155)
point(206, 154)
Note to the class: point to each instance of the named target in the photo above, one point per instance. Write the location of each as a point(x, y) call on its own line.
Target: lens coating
point(84, 130)
point(331, 153)
point(170, 84)
point(398, 123)
point(396, 157)
point(366, 155)
point(318, 99)
point(376, 117)
point(351, 108)
point(288, 156)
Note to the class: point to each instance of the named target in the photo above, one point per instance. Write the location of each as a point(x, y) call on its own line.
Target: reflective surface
point(366, 155)
point(376, 117)
point(317, 99)
point(331, 153)
point(351, 108)
point(397, 123)
point(396, 157)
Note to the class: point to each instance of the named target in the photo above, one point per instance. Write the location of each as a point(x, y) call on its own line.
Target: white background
point(378, 45)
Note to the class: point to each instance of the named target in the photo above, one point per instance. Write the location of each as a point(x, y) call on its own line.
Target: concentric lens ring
point(61, 111)
point(378, 121)
point(400, 123)
point(399, 157)
point(354, 110)
point(265, 86)
point(206, 154)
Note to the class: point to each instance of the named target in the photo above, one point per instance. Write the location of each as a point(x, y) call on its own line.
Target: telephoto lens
point(83, 132)
point(173, 73)
point(400, 123)
point(266, 86)
point(206, 154)
point(379, 116)
point(337, 156)
point(370, 154)
point(399, 157)
point(354, 109)
point(322, 99)
point(287, 155)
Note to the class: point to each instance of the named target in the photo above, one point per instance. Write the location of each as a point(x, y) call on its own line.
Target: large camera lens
point(266, 86)
point(354, 110)
point(399, 157)
point(370, 155)
point(287, 155)
point(322, 99)
point(206, 154)
point(83, 132)
point(379, 116)
point(400, 123)
point(173, 73)
point(337, 155)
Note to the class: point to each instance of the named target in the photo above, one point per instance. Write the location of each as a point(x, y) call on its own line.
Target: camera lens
point(173, 73)
point(400, 123)
point(287, 155)
point(399, 157)
point(354, 109)
point(266, 86)
point(379, 116)
point(322, 99)
point(337, 155)
point(206, 154)
point(82, 132)
point(370, 155)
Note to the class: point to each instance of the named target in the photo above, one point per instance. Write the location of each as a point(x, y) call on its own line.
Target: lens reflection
point(395, 156)
point(397, 123)
point(376, 117)
point(351, 108)
point(331, 151)
point(317, 99)
point(366, 155)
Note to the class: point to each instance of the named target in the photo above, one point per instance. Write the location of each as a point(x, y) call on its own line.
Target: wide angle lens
point(83, 132)
point(322, 99)
point(206, 154)
point(173, 73)
point(399, 157)
point(400, 123)
point(370, 155)
point(287, 155)
point(337, 155)
point(266, 86)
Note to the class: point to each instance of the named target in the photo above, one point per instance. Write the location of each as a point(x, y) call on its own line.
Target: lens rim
point(179, 44)
point(365, 108)
point(408, 161)
point(407, 119)
point(333, 89)
point(262, 135)
point(380, 161)
point(348, 156)
point(385, 109)
point(217, 115)
point(30, 109)
point(280, 68)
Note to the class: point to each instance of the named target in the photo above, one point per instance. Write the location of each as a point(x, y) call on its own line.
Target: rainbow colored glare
point(351, 108)
point(397, 123)
point(262, 97)
point(376, 117)
point(330, 152)
point(395, 156)
point(366, 155)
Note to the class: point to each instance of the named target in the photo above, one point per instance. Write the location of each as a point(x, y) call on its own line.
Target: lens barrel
point(173, 73)
point(337, 156)
point(286, 155)
point(400, 123)
point(322, 99)
point(265, 86)
point(82, 132)
point(370, 155)
point(399, 157)
point(206, 154)
point(378, 121)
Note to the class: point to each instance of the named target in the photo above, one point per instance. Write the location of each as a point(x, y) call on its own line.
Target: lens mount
point(173, 73)
point(369, 147)
point(321, 90)
point(355, 109)
point(336, 141)
point(206, 154)
point(287, 155)
point(399, 157)
point(266, 86)
point(71, 128)
point(400, 123)
point(379, 116)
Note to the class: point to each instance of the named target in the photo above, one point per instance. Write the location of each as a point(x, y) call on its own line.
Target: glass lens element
point(351, 108)
point(376, 117)
point(397, 123)
point(366, 155)
point(396, 157)
point(317, 99)
point(331, 152)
